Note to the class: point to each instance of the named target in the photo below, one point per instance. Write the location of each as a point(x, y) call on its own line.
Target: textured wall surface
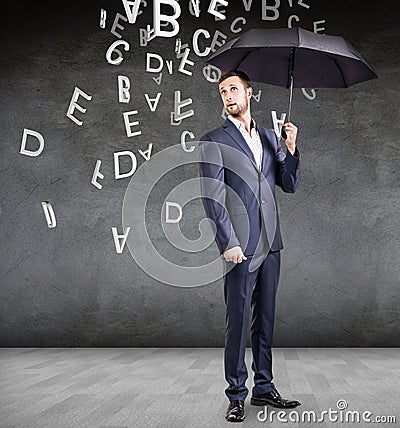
point(68, 285)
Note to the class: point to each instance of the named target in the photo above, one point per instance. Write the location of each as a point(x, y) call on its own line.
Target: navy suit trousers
point(250, 292)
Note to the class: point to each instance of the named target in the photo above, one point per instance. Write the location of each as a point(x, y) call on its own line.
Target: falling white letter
point(96, 174)
point(115, 25)
point(155, 100)
point(24, 150)
point(195, 42)
point(119, 246)
point(291, 18)
point(274, 9)
point(171, 19)
point(177, 116)
point(147, 153)
point(129, 125)
point(237, 30)
point(117, 173)
point(49, 214)
point(149, 57)
point(103, 17)
point(307, 95)
point(212, 8)
point(185, 61)
point(124, 85)
point(113, 48)
point(183, 141)
point(278, 122)
point(73, 105)
point(131, 10)
point(319, 29)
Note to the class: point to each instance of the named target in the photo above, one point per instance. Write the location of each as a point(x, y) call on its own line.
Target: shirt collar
point(240, 125)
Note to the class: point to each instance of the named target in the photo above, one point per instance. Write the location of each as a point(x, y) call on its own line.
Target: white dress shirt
point(253, 139)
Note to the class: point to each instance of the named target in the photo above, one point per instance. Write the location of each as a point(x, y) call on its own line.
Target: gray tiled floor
point(175, 387)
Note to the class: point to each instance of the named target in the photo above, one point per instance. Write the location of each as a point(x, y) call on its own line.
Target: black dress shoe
point(235, 412)
point(274, 399)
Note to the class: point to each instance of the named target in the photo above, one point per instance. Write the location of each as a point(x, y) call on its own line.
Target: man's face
point(235, 95)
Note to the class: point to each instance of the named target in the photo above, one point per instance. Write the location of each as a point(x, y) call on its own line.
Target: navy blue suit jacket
point(239, 198)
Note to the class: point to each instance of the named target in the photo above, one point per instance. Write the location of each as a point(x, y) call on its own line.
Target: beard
point(240, 109)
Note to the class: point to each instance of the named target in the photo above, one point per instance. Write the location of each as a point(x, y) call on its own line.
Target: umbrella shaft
point(291, 78)
point(290, 98)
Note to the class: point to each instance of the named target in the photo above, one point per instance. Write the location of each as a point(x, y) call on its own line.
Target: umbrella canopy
point(294, 58)
point(317, 60)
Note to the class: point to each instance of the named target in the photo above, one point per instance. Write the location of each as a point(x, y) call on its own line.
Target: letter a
point(131, 10)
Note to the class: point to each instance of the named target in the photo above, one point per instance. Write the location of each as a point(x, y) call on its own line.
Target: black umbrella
point(294, 58)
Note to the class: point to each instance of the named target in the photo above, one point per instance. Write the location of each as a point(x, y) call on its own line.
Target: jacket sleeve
point(213, 192)
point(287, 168)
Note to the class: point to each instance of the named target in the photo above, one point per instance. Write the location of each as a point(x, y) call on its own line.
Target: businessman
point(240, 164)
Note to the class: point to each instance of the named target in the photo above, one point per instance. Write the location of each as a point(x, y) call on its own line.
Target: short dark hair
point(239, 73)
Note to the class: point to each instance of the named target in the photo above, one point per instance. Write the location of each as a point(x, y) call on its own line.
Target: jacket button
point(263, 202)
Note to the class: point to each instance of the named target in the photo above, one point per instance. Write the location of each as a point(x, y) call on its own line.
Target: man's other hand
point(234, 255)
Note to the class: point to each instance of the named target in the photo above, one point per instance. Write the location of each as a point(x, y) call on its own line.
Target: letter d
point(27, 152)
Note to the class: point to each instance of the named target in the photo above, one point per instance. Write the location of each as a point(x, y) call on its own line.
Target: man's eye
point(234, 89)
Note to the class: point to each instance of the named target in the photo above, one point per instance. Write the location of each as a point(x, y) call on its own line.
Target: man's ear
point(250, 91)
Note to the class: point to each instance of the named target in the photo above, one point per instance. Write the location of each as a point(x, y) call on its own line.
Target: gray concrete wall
point(68, 286)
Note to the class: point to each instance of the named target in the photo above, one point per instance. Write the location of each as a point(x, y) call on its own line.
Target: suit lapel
point(265, 144)
point(237, 137)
